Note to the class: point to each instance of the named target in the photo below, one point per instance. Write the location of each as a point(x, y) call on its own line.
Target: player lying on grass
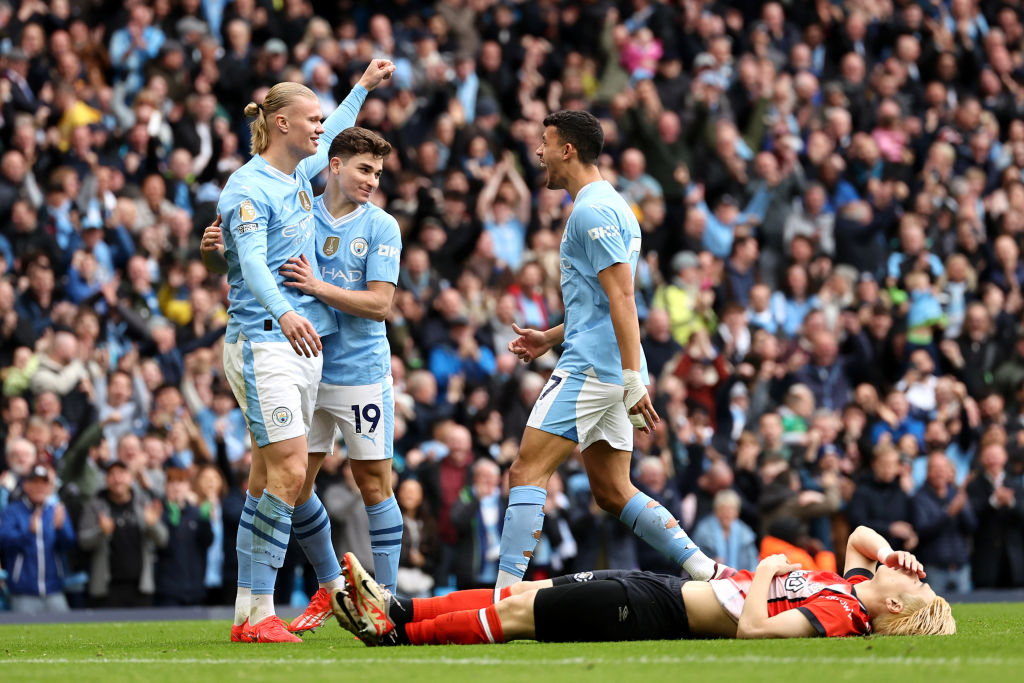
point(777, 600)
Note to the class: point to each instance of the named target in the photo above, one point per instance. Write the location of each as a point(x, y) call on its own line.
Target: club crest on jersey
point(304, 201)
point(358, 247)
point(331, 245)
point(282, 416)
point(246, 211)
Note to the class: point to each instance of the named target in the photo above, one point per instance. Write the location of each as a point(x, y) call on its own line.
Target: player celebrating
point(358, 249)
point(777, 601)
point(273, 342)
point(595, 382)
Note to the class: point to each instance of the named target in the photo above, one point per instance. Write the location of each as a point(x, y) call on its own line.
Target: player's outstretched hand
point(299, 272)
point(901, 559)
point(777, 564)
point(301, 334)
point(378, 70)
point(530, 344)
point(212, 240)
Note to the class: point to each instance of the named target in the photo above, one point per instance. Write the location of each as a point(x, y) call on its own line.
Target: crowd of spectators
point(832, 201)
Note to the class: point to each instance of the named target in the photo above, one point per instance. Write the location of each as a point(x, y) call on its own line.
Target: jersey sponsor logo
point(299, 231)
point(600, 232)
point(247, 227)
point(387, 251)
point(246, 211)
point(358, 247)
point(796, 581)
point(331, 245)
point(304, 201)
point(282, 416)
point(339, 274)
point(583, 577)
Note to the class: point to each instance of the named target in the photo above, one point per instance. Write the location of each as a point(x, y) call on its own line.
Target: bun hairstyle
point(278, 97)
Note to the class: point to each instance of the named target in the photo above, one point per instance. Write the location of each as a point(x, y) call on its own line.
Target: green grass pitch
point(988, 648)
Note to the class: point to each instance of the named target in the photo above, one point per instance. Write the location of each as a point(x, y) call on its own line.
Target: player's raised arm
point(866, 547)
point(754, 620)
point(346, 114)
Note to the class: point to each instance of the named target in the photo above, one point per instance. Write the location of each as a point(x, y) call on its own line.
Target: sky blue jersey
point(601, 231)
point(266, 219)
point(360, 247)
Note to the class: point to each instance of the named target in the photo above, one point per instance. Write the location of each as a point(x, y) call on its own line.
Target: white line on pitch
point(568, 661)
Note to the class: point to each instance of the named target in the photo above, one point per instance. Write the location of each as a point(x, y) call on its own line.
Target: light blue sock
point(243, 542)
point(662, 531)
point(523, 521)
point(271, 527)
point(386, 541)
point(312, 529)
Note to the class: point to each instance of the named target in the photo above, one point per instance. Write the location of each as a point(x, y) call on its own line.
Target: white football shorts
point(583, 409)
point(275, 387)
point(364, 413)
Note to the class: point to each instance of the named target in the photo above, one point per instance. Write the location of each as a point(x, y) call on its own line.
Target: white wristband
point(634, 388)
point(884, 553)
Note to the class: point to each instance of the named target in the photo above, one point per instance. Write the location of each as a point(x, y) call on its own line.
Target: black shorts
point(610, 605)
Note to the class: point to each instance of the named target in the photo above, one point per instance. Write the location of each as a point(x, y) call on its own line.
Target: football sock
point(467, 627)
point(431, 608)
point(523, 521)
point(385, 541)
point(312, 529)
point(271, 528)
point(651, 522)
point(243, 551)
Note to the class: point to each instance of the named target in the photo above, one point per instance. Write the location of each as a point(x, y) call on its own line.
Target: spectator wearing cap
point(23, 96)
point(122, 530)
point(35, 532)
point(181, 563)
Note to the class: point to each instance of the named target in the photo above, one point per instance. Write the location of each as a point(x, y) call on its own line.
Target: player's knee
point(609, 499)
point(529, 471)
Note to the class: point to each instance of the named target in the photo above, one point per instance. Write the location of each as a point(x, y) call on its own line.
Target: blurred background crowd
point(832, 202)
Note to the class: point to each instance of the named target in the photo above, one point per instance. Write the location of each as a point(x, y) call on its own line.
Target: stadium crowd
point(832, 200)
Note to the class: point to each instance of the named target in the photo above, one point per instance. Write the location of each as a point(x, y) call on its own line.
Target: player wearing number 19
point(358, 247)
point(598, 391)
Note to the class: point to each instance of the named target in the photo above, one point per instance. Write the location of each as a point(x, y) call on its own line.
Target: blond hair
point(919, 617)
point(278, 97)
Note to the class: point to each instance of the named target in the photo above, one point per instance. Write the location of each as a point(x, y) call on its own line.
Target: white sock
point(242, 602)
point(504, 579)
point(334, 585)
point(262, 607)
point(699, 566)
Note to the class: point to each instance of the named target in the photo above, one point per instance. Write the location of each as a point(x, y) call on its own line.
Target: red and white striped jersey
point(825, 598)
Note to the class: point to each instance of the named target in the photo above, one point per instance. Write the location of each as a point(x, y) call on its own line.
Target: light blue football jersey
point(266, 219)
point(359, 247)
point(601, 231)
